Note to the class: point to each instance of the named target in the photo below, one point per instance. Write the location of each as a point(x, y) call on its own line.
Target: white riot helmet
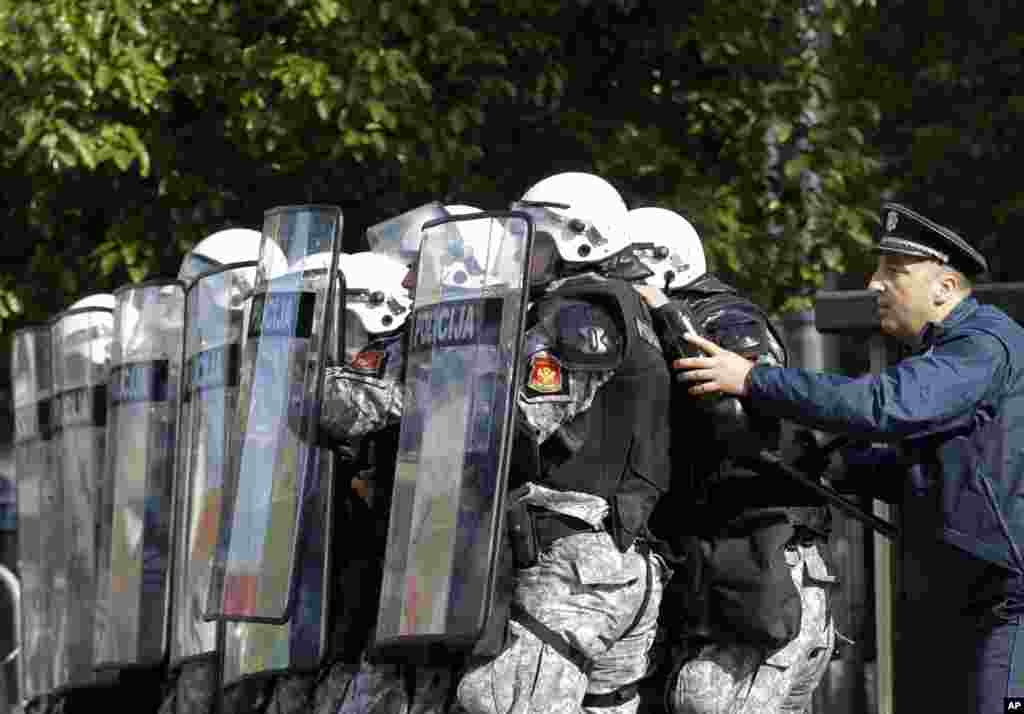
point(84, 341)
point(582, 213)
point(666, 243)
point(104, 300)
point(374, 295)
point(232, 245)
point(461, 209)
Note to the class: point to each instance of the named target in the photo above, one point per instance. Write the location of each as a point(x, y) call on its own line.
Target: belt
point(549, 526)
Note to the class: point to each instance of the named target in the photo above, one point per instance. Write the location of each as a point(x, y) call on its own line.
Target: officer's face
point(542, 258)
point(907, 288)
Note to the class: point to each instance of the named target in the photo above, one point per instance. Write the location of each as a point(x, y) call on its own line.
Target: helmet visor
point(561, 228)
point(195, 265)
point(400, 237)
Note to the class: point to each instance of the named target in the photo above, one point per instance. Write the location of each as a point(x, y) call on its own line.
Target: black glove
point(673, 321)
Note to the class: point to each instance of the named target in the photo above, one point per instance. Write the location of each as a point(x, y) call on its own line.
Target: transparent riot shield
point(81, 340)
point(446, 515)
point(142, 417)
point(270, 565)
point(214, 311)
point(291, 325)
point(38, 551)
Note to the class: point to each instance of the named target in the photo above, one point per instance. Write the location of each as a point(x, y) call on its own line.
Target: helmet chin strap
point(669, 277)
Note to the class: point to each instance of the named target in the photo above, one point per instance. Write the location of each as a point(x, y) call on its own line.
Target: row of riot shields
point(176, 499)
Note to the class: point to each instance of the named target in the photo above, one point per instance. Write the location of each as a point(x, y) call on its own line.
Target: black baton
point(851, 509)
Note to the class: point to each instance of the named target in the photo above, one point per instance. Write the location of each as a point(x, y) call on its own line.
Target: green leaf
point(80, 143)
point(108, 262)
point(14, 303)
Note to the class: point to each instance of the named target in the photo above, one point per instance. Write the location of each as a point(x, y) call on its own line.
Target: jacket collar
point(935, 330)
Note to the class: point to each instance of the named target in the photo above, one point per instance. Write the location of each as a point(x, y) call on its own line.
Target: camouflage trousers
point(732, 678)
point(598, 608)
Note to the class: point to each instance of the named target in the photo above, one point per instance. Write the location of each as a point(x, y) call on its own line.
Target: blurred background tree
point(133, 128)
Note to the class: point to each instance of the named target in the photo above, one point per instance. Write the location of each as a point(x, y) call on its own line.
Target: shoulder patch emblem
point(593, 341)
point(545, 374)
point(369, 362)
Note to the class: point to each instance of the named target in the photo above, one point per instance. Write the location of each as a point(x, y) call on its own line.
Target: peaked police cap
point(907, 232)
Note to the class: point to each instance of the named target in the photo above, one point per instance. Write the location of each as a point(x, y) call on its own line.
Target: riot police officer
point(747, 614)
point(589, 466)
point(360, 418)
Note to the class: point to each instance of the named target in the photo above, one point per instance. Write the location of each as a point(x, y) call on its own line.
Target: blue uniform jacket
point(957, 409)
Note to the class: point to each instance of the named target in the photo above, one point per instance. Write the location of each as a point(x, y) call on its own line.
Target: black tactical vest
point(622, 440)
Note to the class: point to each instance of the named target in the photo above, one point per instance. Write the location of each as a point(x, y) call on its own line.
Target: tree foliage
point(132, 128)
point(948, 76)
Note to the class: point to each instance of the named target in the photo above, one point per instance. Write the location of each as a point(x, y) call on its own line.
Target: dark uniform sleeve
point(739, 326)
point(569, 356)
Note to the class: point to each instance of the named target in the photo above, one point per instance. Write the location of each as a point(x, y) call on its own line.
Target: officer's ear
point(946, 286)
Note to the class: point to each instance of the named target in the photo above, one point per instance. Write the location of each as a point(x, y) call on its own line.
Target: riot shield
point(270, 565)
point(292, 320)
point(142, 416)
point(38, 552)
point(465, 334)
point(81, 340)
point(214, 308)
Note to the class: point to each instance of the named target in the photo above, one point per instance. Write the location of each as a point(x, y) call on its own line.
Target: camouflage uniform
point(584, 615)
point(592, 596)
point(736, 678)
point(361, 400)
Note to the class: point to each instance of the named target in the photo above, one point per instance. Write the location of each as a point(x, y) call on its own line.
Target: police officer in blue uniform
point(954, 407)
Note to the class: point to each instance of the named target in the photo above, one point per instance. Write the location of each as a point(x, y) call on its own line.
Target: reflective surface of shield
point(138, 476)
point(213, 331)
point(399, 237)
point(256, 648)
point(273, 489)
point(38, 551)
point(82, 339)
point(464, 337)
